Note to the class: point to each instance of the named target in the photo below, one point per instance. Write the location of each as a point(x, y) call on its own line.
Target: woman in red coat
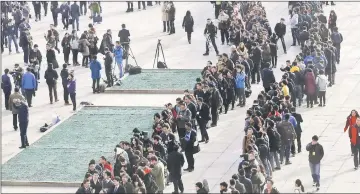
point(310, 88)
point(350, 122)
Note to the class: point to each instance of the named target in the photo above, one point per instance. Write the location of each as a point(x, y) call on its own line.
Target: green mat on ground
point(160, 79)
point(63, 154)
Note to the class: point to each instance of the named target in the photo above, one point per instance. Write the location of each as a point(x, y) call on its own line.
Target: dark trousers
point(73, 100)
point(255, 71)
point(45, 5)
point(217, 11)
point(29, 94)
point(298, 141)
point(7, 96)
point(166, 24)
point(15, 121)
point(267, 89)
point(66, 52)
point(178, 185)
point(65, 21)
point(212, 40)
point(190, 159)
point(109, 77)
point(181, 132)
point(83, 6)
point(283, 43)
point(202, 125)
point(141, 3)
point(224, 35)
point(97, 82)
point(55, 18)
point(16, 29)
point(52, 92)
point(66, 93)
point(337, 52)
point(75, 53)
point(23, 131)
point(37, 10)
point(188, 36)
point(26, 54)
point(294, 34)
point(322, 97)
point(214, 115)
point(356, 155)
point(274, 61)
point(172, 27)
point(310, 99)
point(130, 5)
point(85, 61)
point(331, 78)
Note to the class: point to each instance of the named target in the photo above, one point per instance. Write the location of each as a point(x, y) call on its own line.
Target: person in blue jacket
point(95, 68)
point(23, 115)
point(240, 85)
point(6, 87)
point(118, 55)
point(28, 84)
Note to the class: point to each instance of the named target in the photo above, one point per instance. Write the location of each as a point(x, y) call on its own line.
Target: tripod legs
point(157, 54)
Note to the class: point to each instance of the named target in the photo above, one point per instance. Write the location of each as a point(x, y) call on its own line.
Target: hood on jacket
point(50, 66)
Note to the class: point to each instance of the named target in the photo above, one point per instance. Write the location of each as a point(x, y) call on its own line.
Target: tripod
point(128, 52)
point(157, 53)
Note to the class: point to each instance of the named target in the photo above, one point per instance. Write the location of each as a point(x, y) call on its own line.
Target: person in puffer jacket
point(321, 83)
point(118, 54)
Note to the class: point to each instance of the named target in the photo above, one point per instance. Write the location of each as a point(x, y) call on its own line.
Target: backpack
point(337, 38)
point(81, 47)
point(277, 137)
point(288, 132)
point(263, 151)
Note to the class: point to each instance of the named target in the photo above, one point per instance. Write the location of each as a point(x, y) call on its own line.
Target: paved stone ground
point(218, 160)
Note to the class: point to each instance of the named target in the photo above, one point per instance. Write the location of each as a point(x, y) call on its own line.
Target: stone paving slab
point(62, 154)
point(159, 81)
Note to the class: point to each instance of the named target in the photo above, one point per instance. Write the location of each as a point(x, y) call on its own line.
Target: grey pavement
point(219, 159)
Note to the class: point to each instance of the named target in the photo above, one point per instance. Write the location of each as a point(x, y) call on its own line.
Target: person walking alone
point(51, 77)
point(95, 68)
point(188, 25)
point(316, 153)
point(75, 14)
point(350, 125)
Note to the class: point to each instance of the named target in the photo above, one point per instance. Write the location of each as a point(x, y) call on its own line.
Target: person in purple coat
point(71, 86)
point(95, 68)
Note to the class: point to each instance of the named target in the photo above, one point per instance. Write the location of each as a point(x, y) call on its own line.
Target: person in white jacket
point(294, 20)
point(321, 83)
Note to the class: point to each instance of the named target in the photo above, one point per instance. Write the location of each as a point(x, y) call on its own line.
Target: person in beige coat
point(165, 17)
point(13, 96)
point(158, 172)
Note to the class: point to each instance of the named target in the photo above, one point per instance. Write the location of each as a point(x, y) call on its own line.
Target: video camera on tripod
point(159, 64)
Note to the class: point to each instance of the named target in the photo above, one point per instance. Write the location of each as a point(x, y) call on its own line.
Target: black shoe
point(207, 141)
point(22, 147)
point(278, 168)
point(187, 169)
point(15, 129)
point(293, 45)
point(288, 162)
point(27, 144)
point(213, 125)
point(190, 170)
point(320, 105)
point(356, 168)
point(201, 141)
point(206, 54)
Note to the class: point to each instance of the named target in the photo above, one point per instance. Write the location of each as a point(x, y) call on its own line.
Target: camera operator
point(17, 75)
point(210, 34)
point(124, 35)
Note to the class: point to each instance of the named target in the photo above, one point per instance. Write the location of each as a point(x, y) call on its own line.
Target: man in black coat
point(330, 68)
point(245, 181)
point(55, 11)
point(64, 79)
point(215, 103)
point(51, 77)
point(175, 162)
point(268, 77)
point(256, 57)
point(84, 188)
point(280, 31)
point(189, 140)
point(23, 114)
point(210, 32)
point(203, 117)
point(303, 37)
point(108, 60)
point(117, 188)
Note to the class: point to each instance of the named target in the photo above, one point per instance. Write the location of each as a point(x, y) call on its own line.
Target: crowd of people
point(148, 162)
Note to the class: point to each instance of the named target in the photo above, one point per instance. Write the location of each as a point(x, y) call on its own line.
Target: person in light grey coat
point(165, 17)
point(321, 84)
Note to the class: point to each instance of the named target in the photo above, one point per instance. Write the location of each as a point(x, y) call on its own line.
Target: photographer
point(17, 74)
point(210, 34)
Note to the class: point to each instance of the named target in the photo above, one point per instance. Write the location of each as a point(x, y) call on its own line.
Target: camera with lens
point(141, 135)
